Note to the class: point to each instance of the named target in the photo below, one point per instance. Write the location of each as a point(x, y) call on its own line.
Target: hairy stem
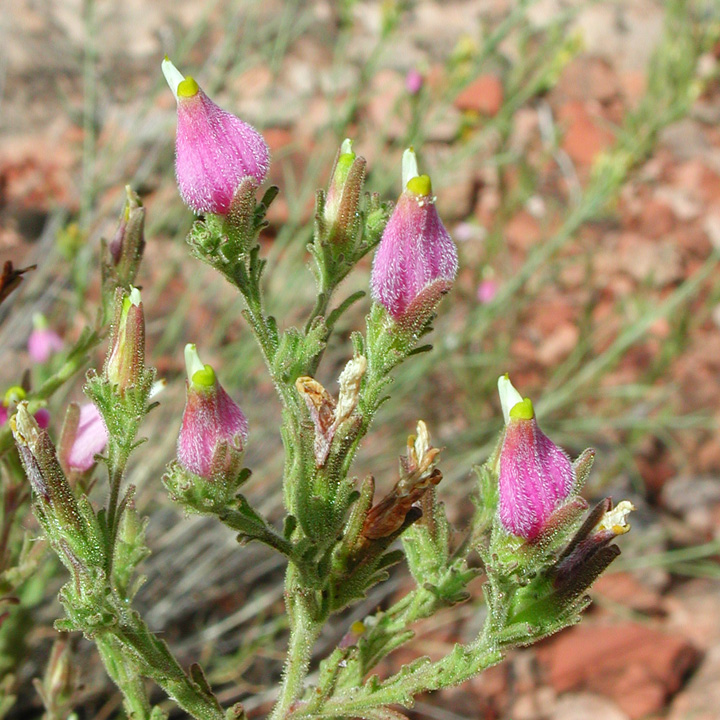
point(123, 674)
point(305, 628)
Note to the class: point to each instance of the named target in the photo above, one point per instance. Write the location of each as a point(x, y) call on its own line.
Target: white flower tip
point(409, 166)
point(509, 396)
point(157, 387)
point(422, 440)
point(134, 296)
point(193, 363)
point(173, 76)
point(346, 147)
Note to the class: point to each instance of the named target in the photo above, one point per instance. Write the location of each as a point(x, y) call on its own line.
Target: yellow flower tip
point(13, 395)
point(204, 377)
point(358, 627)
point(420, 185)
point(188, 88)
point(522, 410)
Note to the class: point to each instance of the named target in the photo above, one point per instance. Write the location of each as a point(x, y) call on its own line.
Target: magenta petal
point(91, 438)
point(210, 418)
point(214, 151)
point(535, 477)
point(415, 252)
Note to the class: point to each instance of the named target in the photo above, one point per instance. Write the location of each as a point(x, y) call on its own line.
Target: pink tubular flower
point(416, 260)
point(43, 342)
point(212, 423)
point(535, 475)
point(214, 150)
point(91, 437)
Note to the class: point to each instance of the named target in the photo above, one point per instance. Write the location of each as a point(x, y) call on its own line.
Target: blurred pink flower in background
point(42, 417)
point(43, 342)
point(414, 81)
point(487, 290)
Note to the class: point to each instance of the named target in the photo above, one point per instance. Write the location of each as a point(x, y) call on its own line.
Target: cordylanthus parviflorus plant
point(539, 545)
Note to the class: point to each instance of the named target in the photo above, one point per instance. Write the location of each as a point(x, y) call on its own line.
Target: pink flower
point(42, 418)
point(487, 290)
point(214, 150)
point(43, 342)
point(416, 261)
point(91, 438)
point(535, 475)
point(214, 428)
point(413, 81)
point(3, 414)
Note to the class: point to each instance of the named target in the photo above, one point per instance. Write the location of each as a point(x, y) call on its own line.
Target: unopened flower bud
point(416, 261)
point(126, 248)
point(214, 429)
point(43, 342)
point(43, 470)
point(126, 359)
point(535, 476)
point(214, 150)
point(341, 211)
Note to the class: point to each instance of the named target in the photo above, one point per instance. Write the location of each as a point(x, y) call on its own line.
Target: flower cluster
point(539, 543)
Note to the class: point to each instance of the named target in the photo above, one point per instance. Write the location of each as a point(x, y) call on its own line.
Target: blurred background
point(574, 149)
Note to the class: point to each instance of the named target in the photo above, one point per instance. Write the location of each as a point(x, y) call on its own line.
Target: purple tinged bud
point(214, 150)
point(126, 248)
point(43, 470)
point(86, 437)
point(125, 362)
point(535, 475)
point(213, 426)
point(416, 261)
point(43, 342)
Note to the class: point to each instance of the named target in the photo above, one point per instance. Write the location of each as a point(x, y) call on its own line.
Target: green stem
point(123, 674)
point(150, 657)
point(304, 631)
point(115, 476)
